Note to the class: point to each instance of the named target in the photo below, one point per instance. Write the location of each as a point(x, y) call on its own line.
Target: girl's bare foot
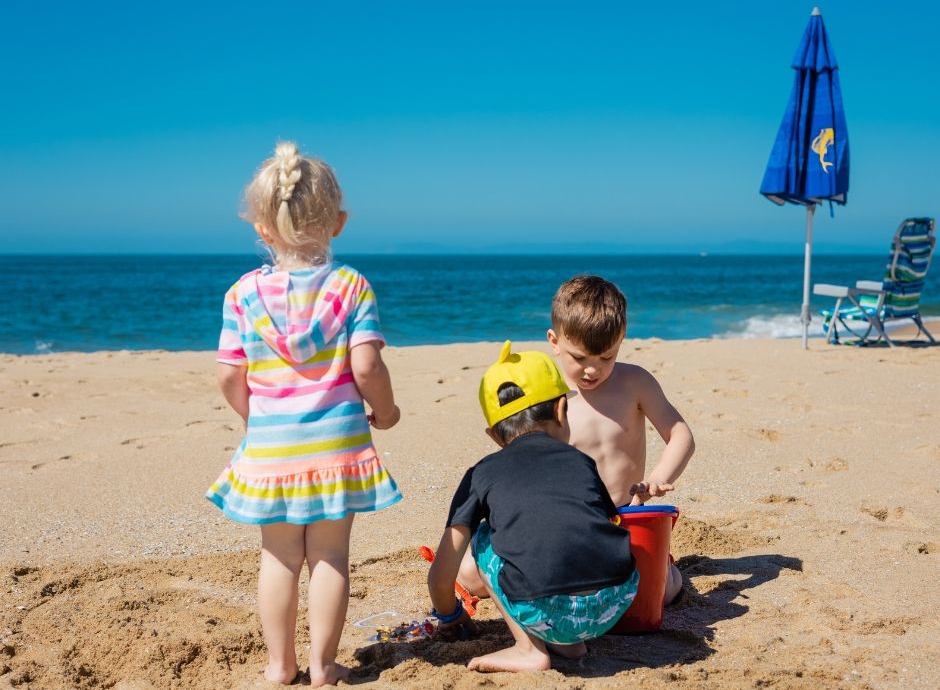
point(330, 674)
point(280, 676)
point(569, 651)
point(511, 659)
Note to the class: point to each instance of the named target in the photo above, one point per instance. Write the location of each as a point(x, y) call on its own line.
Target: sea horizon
point(734, 248)
point(93, 302)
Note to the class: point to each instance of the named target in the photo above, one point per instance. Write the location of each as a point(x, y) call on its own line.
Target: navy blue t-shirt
point(550, 518)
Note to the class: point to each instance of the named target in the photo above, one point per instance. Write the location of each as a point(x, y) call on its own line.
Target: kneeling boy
point(537, 517)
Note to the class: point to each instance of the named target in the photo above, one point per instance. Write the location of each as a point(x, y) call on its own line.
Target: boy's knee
point(673, 584)
point(469, 576)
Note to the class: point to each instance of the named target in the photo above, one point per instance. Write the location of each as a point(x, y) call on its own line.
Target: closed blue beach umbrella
point(809, 162)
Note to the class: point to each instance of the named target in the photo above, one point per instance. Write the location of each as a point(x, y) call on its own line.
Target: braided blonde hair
point(298, 201)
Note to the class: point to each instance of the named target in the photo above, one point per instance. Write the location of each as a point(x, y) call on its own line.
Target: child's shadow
point(688, 623)
point(687, 628)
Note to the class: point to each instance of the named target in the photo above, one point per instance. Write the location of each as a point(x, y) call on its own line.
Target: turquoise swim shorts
point(560, 618)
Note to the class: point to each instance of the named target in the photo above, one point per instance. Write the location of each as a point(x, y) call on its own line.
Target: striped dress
point(307, 453)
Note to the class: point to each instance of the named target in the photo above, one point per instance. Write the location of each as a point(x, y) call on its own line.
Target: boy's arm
point(233, 381)
point(443, 572)
point(674, 431)
point(374, 383)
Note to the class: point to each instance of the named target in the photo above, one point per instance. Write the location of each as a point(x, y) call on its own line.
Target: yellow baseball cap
point(534, 372)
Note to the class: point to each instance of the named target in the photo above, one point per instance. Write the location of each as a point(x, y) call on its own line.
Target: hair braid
point(288, 169)
point(288, 175)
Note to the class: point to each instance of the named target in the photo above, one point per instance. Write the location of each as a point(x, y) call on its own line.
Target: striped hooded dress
point(307, 453)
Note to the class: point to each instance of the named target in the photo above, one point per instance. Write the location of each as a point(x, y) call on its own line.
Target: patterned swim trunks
point(560, 618)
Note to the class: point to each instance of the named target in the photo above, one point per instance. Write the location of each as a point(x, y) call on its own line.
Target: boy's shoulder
point(632, 369)
point(626, 373)
point(627, 383)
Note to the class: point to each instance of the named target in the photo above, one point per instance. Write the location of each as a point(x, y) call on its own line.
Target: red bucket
point(650, 533)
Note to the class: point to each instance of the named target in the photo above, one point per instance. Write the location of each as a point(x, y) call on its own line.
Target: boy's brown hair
point(590, 311)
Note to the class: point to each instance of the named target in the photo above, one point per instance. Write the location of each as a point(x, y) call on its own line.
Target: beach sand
point(809, 535)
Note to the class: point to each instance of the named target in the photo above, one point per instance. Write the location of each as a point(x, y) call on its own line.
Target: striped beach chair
point(864, 310)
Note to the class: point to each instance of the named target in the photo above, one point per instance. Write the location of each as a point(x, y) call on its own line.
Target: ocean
point(81, 303)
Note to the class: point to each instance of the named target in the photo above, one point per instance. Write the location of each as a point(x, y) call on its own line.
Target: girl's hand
point(385, 422)
point(644, 491)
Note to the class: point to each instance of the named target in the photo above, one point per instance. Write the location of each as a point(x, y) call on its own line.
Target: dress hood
point(297, 313)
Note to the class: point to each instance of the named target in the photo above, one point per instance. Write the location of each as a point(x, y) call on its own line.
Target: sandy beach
point(809, 533)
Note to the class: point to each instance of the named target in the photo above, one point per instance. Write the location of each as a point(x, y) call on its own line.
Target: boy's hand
point(644, 491)
point(461, 629)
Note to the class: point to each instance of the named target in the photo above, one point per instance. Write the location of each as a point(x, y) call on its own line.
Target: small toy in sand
point(404, 632)
point(469, 601)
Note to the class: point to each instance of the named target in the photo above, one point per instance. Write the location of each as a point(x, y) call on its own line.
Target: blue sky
point(491, 125)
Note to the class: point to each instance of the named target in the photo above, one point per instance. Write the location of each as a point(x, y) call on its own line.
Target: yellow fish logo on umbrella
point(821, 144)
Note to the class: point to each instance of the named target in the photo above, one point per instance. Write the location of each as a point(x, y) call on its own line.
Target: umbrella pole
point(805, 317)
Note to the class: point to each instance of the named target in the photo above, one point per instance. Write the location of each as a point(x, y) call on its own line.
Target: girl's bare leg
point(327, 549)
point(527, 654)
point(282, 558)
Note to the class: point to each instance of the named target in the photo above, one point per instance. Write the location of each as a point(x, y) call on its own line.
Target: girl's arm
point(233, 381)
point(374, 384)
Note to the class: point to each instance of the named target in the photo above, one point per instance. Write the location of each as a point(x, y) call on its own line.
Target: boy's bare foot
point(569, 651)
point(330, 674)
point(511, 659)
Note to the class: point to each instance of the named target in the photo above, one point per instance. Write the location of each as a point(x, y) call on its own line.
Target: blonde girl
point(299, 355)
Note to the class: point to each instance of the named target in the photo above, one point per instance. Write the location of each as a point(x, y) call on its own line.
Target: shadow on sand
point(688, 626)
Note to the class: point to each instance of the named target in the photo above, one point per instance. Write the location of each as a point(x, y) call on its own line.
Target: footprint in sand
point(78, 457)
point(883, 514)
point(930, 450)
point(924, 548)
point(27, 442)
point(777, 498)
point(143, 442)
point(840, 620)
point(702, 498)
point(741, 393)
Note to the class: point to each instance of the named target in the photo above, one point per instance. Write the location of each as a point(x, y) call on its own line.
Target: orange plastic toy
point(469, 601)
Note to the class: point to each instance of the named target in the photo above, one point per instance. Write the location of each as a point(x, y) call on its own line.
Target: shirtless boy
point(615, 399)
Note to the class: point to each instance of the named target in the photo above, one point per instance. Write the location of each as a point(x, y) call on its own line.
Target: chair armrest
point(871, 286)
point(862, 287)
point(830, 290)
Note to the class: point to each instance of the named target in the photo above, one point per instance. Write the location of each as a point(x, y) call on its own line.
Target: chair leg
point(879, 326)
point(921, 328)
point(833, 335)
point(861, 338)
